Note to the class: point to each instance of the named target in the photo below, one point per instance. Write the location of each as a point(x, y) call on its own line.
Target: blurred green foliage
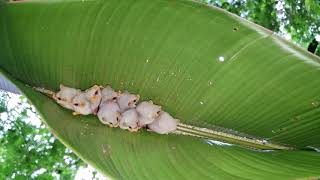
point(28, 151)
point(300, 19)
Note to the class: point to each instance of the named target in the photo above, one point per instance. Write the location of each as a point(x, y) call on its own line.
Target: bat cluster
point(116, 108)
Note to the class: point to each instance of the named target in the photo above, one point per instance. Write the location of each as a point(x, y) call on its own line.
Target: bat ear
point(138, 96)
point(61, 86)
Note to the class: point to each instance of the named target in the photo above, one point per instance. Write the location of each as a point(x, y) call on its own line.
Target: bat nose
point(134, 129)
point(156, 115)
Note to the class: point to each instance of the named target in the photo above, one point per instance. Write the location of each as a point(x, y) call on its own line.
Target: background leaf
point(168, 51)
point(123, 155)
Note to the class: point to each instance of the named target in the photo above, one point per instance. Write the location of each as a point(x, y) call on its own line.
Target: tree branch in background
point(313, 46)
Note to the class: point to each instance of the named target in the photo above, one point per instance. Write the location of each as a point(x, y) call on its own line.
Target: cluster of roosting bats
point(116, 109)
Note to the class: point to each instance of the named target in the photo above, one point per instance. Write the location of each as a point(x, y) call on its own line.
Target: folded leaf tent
point(205, 66)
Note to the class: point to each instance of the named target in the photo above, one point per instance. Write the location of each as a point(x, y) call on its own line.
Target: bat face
point(109, 94)
point(82, 105)
point(109, 113)
point(133, 101)
point(112, 120)
point(127, 101)
point(129, 120)
point(63, 101)
point(65, 96)
point(148, 112)
point(148, 109)
point(93, 94)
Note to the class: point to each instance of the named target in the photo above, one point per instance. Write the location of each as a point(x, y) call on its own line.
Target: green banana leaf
point(205, 66)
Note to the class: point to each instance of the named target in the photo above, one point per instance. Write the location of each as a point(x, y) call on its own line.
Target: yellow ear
point(61, 86)
point(96, 86)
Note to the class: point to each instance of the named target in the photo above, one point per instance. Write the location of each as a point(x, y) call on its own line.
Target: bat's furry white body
point(81, 105)
point(129, 120)
point(93, 94)
point(164, 124)
point(87, 102)
point(109, 94)
point(109, 113)
point(65, 96)
point(127, 101)
point(148, 112)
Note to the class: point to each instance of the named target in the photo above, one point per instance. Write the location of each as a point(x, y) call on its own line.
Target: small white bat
point(148, 112)
point(129, 120)
point(127, 100)
point(109, 94)
point(65, 96)
point(93, 94)
point(109, 113)
point(81, 105)
point(164, 124)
